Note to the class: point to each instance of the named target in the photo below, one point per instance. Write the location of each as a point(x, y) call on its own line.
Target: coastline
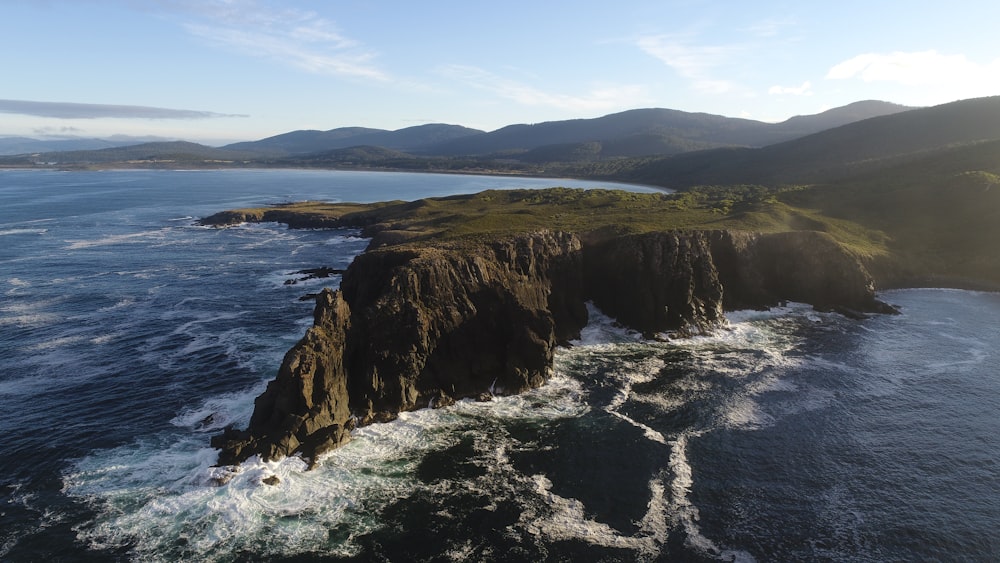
point(432, 312)
point(387, 170)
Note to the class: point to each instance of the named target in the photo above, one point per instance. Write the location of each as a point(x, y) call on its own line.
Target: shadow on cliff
point(424, 326)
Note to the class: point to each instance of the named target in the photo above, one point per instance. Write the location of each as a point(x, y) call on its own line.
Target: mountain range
point(863, 146)
point(28, 145)
point(913, 191)
point(659, 147)
point(640, 132)
point(637, 132)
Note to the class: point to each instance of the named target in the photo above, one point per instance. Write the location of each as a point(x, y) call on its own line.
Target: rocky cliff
point(417, 326)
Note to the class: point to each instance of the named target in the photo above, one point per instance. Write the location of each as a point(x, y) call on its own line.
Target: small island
point(469, 296)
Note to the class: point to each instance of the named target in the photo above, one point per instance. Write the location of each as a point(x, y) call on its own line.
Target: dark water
point(128, 336)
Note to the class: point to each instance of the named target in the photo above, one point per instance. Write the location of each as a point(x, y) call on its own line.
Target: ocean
point(129, 336)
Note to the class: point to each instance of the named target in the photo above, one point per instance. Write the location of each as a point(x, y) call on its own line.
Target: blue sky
point(223, 70)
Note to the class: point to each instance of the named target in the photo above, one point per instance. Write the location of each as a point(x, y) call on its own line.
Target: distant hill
point(302, 142)
point(940, 210)
point(661, 129)
point(628, 134)
point(350, 156)
point(851, 149)
point(639, 132)
point(27, 145)
point(802, 125)
point(414, 139)
point(162, 152)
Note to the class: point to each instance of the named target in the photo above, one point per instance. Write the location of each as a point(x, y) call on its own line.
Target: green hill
point(700, 130)
point(863, 146)
point(145, 154)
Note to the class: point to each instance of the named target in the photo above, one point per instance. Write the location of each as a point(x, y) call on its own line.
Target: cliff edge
point(423, 325)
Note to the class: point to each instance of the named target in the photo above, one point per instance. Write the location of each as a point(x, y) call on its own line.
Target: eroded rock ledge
point(422, 326)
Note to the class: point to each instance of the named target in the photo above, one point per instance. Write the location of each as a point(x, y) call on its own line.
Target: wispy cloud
point(600, 98)
point(694, 62)
point(920, 68)
point(804, 90)
point(772, 27)
point(295, 37)
point(69, 110)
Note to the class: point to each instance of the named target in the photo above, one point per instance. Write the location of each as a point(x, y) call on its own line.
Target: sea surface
point(129, 336)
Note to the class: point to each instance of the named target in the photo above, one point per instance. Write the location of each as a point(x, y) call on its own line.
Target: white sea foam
point(338, 240)
point(54, 343)
point(684, 511)
point(105, 338)
point(220, 411)
point(30, 320)
point(29, 314)
point(49, 378)
point(277, 280)
point(602, 329)
point(627, 375)
point(6, 232)
point(150, 495)
point(122, 303)
point(748, 315)
point(746, 377)
point(112, 240)
point(566, 519)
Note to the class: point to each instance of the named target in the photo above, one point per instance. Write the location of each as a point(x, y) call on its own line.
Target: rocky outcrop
point(294, 219)
point(453, 322)
point(305, 409)
point(656, 282)
point(762, 270)
point(415, 326)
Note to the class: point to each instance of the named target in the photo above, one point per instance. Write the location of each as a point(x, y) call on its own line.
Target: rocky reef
point(423, 325)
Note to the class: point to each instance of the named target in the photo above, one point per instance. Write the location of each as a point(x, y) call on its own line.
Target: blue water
point(128, 336)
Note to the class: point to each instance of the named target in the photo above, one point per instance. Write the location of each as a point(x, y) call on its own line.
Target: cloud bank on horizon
point(71, 110)
point(302, 64)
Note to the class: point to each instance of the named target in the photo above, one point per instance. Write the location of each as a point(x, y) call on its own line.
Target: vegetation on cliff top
point(915, 194)
point(591, 213)
point(931, 221)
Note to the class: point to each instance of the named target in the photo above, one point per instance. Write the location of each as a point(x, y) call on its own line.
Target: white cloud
point(770, 27)
point(290, 36)
point(601, 98)
point(693, 62)
point(918, 69)
point(70, 110)
point(804, 90)
point(289, 49)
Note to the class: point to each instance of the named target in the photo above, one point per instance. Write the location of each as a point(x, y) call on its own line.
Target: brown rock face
point(459, 321)
point(413, 328)
point(760, 270)
point(656, 282)
point(416, 327)
point(305, 408)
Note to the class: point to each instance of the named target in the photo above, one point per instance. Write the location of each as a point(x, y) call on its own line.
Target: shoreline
point(486, 173)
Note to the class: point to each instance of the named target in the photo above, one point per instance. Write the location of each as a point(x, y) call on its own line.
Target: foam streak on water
point(154, 495)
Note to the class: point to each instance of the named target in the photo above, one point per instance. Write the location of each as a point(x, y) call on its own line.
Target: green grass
point(590, 213)
point(934, 221)
point(941, 216)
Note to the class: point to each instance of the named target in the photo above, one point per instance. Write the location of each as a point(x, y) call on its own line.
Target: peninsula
point(469, 296)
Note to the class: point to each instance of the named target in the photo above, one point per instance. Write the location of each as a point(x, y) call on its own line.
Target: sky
point(217, 71)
